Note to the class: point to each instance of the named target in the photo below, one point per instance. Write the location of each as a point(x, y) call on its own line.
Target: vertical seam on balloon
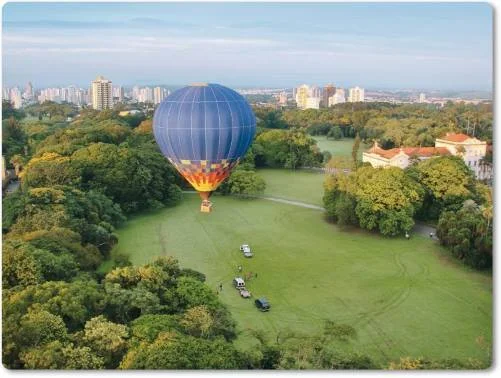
point(237, 102)
point(168, 144)
point(219, 124)
point(178, 134)
point(205, 125)
point(191, 128)
point(164, 140)
point(167, 134)
point(231, 129)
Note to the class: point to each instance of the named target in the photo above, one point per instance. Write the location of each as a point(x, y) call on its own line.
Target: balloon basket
point(206, 207)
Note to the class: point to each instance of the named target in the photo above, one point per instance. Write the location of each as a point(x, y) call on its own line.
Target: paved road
point(419, 228)
point(11, 187)
point(424, 229)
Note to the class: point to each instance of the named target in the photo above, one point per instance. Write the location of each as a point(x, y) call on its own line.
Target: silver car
point(246, 250)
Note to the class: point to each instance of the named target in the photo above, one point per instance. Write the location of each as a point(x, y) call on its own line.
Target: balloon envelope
point(204, 130)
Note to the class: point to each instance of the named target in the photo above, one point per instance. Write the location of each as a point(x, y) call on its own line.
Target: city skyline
point(429, 46)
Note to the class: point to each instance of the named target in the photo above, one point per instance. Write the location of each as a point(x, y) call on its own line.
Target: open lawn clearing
point(404, 297)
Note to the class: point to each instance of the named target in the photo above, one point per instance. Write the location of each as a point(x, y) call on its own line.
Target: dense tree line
point(375, 199)
point(393, 125)
point(389, 199)
point(285, 149)
point(14, 137)
point(52, 110)
point(105, 156)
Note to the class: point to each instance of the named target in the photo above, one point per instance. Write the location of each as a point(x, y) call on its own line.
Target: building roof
point(409, 151)
point(458, 138)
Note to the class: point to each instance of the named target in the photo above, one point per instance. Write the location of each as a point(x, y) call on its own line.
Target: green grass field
point(404, 297)
point(300, 184)
point(341, 147)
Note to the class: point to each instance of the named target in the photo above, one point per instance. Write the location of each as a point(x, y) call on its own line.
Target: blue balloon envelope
point(204, 130)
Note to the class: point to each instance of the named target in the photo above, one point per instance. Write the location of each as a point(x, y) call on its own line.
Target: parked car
point(244, 293)
point(262, 304)
point(239, 283)
point(245, 248)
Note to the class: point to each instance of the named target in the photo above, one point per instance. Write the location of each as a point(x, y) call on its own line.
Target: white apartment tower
point(357, 94)
point(28, 91)
point(102, 96)
point(282, 98)
point(16, 98)
point(338, 98)
point(158, 95)
point(302, 94)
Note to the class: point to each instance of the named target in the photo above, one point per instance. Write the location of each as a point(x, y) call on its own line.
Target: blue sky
point(406, 45)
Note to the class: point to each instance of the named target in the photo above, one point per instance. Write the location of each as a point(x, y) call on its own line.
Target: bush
point(246, 183)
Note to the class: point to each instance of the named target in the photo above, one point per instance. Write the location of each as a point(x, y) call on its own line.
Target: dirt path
point(419, 228)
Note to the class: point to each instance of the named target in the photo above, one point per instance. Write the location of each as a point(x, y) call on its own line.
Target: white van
point(239, 283)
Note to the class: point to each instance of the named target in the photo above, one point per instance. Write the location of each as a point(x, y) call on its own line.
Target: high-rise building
point(422, 98)
point(5, 93)
point(357, 94)
point(102, 94)
point(28, 91)
point(118, 93)
point(329, 91)
point(135, 93)
point(159, 94)
point(302, 94)
point(338, 98)
point(15, 98)
point(313, 103)
point(282, 98)
point(315, 91)
point(145, 95)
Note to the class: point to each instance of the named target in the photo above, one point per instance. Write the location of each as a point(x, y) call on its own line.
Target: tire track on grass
point(368, 319)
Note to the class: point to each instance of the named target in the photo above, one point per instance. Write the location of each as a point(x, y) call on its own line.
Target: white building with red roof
point(400, 157)
point(471, 149)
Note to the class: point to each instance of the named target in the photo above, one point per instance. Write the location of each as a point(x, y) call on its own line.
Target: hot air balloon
point(204, 130)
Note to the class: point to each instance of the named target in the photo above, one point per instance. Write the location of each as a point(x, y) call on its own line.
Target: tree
point(354, 151)
point(198, 321)
point(466, 235)
point(50, 169)
point(172, 350)
point(13, 138)
point(8, 111)
point(272, 120)
point(246, 183)
point(408, 363)
point(135, 178)
point(286, 149)
point(58, 355)
point(387, 199)
point(19, 267)
point(447, 181)
point(39, 327)
point(335, 133)
point(382, 199)
point(108, 340)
